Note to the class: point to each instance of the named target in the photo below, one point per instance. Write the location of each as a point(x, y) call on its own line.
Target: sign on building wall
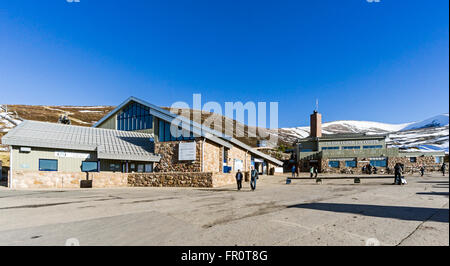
point(238, 164)
point(187, 151)
point(77, 155)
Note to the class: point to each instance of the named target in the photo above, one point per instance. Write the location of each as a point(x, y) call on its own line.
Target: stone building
point(136, 144)
point(349, 153)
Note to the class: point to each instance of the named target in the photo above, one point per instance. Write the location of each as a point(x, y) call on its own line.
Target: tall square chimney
point(316, 125)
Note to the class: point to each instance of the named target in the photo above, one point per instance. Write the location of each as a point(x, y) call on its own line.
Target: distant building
point(131, 146)
point(351, 152)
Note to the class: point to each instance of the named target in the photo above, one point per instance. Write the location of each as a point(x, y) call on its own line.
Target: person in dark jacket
point(443, 169)
point(369, 168)
point(398, 174)
point(239, 177)
point(253, 178)
point(422, 170)
point(316, 172)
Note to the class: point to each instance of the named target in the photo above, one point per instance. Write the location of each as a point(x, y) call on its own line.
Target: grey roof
point(109, 144)
point(198, 129)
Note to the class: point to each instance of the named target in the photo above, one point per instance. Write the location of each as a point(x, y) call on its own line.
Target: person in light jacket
point(239, 177)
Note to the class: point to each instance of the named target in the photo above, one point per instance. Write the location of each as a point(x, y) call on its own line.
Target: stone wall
point(427, 161)
point(180, 179)
point(212, 155)
point(169, 158)
point(222, 179)
point(240, 154)
point(41, 179)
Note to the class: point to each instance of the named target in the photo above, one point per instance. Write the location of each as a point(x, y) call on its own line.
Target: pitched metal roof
point(198, 129)
point(109, 144)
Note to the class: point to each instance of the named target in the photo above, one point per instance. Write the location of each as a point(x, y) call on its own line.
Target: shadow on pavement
point(393, 212)
point(433, 182)
point(433, 193)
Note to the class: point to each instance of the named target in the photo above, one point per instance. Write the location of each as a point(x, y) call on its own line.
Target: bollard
point(319, 180)
point(288, 181)
point(357, 180)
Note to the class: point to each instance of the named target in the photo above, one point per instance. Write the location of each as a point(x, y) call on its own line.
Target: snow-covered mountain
point(428, 135)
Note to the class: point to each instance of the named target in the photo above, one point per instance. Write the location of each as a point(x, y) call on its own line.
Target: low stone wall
point(58, 180)
point(180, 179)
point(221, 179)
point(40, 179)
point(427, 161)
point(174, 179)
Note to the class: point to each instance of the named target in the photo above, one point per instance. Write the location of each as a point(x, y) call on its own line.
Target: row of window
point(166, 135)
point(352, 163)
point(52, 165)
point(353, 147)
point(134, 117)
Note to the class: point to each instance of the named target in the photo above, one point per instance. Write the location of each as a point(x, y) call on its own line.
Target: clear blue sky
point(386, 61)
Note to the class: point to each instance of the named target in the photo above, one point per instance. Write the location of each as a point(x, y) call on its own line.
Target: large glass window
point(89, 166)
point(438, 159)
point(48, 165)
point(333, 164)
point(412, 159)
point(166, 135)
point(330, 148)
point(378, 163)
point(351, 164)
point(373, 147)
point(351, 147)
point(134, 117)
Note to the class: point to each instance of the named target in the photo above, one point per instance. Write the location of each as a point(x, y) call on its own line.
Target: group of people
point(314, 171)
point(369, 169)
point(253, 177)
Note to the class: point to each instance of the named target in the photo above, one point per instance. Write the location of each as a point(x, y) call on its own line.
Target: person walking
point(443, 169)
point(422, 170)
point(253, 178)
point(239, 177)
point(316, 172)
point(293, 170)
point(311, 171)
point(398, 174)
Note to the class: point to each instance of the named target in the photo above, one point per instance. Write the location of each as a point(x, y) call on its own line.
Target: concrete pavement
point(336, 212)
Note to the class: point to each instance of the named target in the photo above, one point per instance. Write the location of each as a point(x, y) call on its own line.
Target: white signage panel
point(77, 155)
point(238, 164)
point(187, 151)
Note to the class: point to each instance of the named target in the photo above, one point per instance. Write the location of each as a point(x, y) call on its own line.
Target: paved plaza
point(336, 212)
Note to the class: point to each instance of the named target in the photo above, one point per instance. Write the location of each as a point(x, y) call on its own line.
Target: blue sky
point(385, 61)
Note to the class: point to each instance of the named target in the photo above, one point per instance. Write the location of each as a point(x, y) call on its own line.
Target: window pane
point(161, 131)
point(379, 163)
point(333, 164)
point(48, 165)
point(351, 147)
point(350, 164)
point(89, 166)
point(167, 131)
point(148, 168)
